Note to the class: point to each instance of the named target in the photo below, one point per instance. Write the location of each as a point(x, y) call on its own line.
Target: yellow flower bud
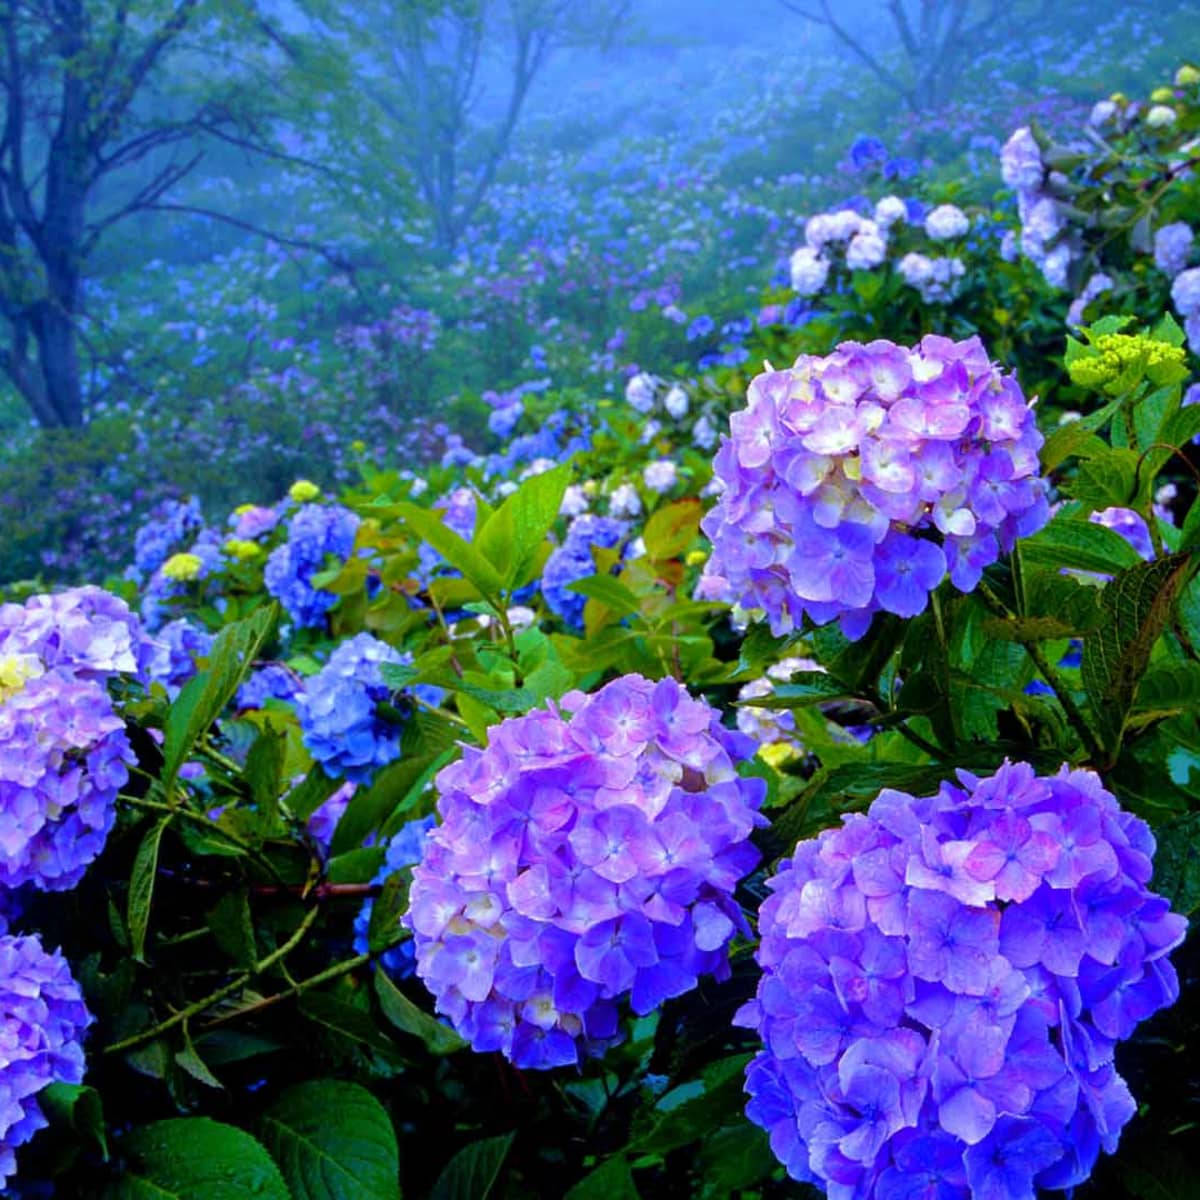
point(182, 567)
point(242, 549)
point(1187, 76)
point(696, 558)
point(303, 490)
point(778, 754)
point(1162, 95)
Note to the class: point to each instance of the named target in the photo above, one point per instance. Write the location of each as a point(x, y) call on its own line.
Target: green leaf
point(672, 529)
point(732, 1159)
point(204, 697)
point(1071, 441)
point(195, 1158)
point(1169, 685)
point(723, 1097)
point(79, 1108)
point(141, 887)
point(1137, 606)
point(612, 1180)
point(347, 1020)
point(805, 688)
point(438, 1039)
point(1177, 863)
point(472, 1172)
point(610, 592)
point(264, 767)
point(513, 535)
point(315, 788)
point(333, 1141)
point(1108, 479)
point(384, 929)
point(1073, 542)
point(430, 527)
point(232, 929)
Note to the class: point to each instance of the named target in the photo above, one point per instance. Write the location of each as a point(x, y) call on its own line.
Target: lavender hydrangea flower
point(573, 560)
point(1130, 525)
point(404, 850)
point(588, 853)
point(44, 1023)
point(183, 643)
point(85, 630)
point(252, 521)
point(339, 710)
point(945, 980)
point(63, 758)
point(315, 534)
point(853, 484)
point(324, 819)
point(946, 222)
point(1173, 247)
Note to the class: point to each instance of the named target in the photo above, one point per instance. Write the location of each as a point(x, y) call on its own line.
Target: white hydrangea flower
point(624, 502)
point(639, 392)
point(574, 501)
point(1160, 116)
point(889, 210)
point(945, 222)
point(809, 271)
point(661, 476)
point(704, 433)
point(867, 249)
point(676, 402)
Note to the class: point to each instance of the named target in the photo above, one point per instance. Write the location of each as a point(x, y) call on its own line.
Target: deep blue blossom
point(339, 710)
point(573, 560)
point(184, 644)
point(274, 681)
point(945, 980)
point(171, 526)
point(588, 854)
point(318, 534)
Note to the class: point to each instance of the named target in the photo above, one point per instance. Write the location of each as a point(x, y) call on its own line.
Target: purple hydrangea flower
point(573, 560)
point(44, 1023)
point(945, 980)
point(853, 484)
point(253, 521)
point(316, 534)
point(63, 758)
point(85, 630)
point(324, 819)
point(1130, 525)
point(588, 853)
point(339, 710)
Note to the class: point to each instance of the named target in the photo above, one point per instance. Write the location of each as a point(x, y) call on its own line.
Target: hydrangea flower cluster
point(63, 758)
point(573, 560)
point(936, 279)
point(272, 682)
point(588, 853)
point(249, 522)
point(863, 242)
point(404, 850)
point(1043, 225)
point(853, 483)
point(1185, 292)
point(63, 750)
point(85, 630)
point(172, 524)
point(44, 1023)
point(339, 710)
point(184, 644)
point(945, 980)
point(316, 533)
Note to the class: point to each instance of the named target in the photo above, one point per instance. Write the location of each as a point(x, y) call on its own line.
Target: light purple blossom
point(586, 856)
point(945, 980)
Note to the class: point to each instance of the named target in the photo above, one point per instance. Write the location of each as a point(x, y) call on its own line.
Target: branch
point(166, 179)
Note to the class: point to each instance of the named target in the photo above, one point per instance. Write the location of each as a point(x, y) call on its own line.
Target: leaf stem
point(240, 981)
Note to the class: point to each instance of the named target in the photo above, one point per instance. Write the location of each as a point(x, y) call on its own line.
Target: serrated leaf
point(1078, 544)
point(610, 592)
point(805, 688)
point(673, 528)
point(195, 1158)
point(141, 887)
point(430, 528)
point(333, 1141)
point(1071, 441)
point(204, 697)
point(472, 1172)
point(723, 1097)
point(232, 929)
point(1106, 480)
point(384, 929)
point(315, 788)
point(408, 1018)
point(79, 1108)
point(1169, 685)
point(1137, 606)
point(612, 1180)
point(1177, 863)
point(347, 1020)
point(264, 767)
point(511, 538)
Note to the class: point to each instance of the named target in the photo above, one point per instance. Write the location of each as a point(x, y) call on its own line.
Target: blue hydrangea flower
point(316, 534)
point(168, 528)
point(573, 560)
point(44, 1023)
point(404, 850)
point(271, 682)
point(589, 853)
point(183, 643)
point(945, 980)
point(338, 710)
point(853, 484)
